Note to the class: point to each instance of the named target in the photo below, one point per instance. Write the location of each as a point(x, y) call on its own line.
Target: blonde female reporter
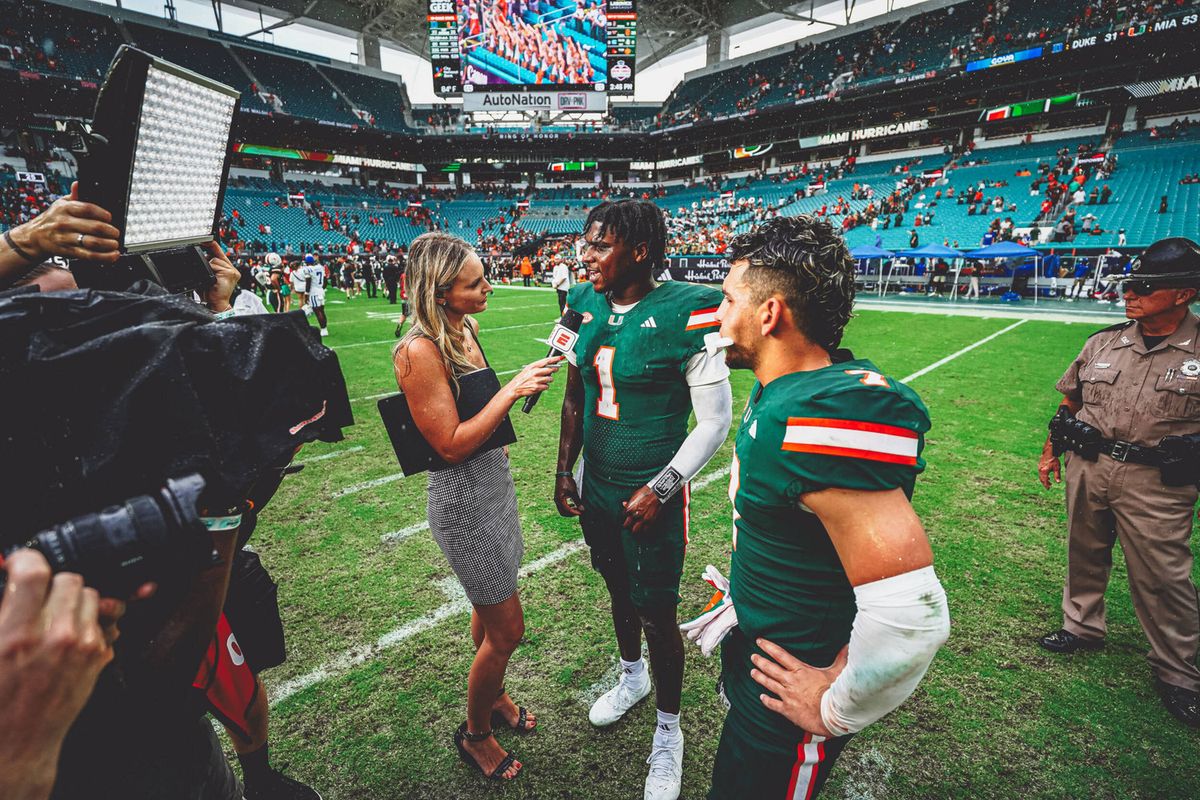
point(472, 504)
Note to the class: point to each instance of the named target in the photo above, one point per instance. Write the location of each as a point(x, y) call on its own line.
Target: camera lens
point(147, 538)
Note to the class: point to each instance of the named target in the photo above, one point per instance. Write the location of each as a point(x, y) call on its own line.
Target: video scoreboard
point(526, 46)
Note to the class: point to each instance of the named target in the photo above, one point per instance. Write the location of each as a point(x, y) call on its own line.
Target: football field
point(377, 626)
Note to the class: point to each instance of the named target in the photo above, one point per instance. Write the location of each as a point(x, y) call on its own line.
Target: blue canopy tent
point(1011, 250)
point(933, 251)
point(867, 252)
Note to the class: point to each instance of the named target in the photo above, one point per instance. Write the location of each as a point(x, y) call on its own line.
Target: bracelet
point(564, 475)
point(226, 314)
point(9, 241)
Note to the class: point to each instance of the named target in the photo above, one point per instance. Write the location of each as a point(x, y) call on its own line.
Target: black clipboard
point(413, 451)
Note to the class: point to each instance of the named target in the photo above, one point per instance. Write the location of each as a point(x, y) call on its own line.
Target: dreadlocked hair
point(634, 222)
point(805, 262)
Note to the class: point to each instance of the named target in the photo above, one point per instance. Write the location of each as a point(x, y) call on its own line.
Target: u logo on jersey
point(616, 319)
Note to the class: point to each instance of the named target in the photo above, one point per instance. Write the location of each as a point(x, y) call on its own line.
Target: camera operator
point(56, 636)
point(68, 228)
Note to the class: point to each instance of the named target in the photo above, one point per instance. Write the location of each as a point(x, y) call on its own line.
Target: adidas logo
point(650, 323)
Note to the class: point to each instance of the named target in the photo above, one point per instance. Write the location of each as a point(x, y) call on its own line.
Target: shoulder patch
point(851, 439)
point(703, 318)
point(1120, 326)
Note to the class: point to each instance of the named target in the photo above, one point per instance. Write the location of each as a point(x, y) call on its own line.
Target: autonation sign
point(535, 101)
point(862, 134)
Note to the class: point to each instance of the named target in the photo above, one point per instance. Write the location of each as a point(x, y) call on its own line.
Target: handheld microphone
point(562, 340)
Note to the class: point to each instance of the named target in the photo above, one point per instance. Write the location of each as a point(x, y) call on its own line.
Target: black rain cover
point(103, 395)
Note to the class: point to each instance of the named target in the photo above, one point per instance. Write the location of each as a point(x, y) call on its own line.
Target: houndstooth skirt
point(473, 516)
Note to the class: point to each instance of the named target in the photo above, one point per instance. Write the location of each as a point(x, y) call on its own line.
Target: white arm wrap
point(713, 404)
point(901, 623)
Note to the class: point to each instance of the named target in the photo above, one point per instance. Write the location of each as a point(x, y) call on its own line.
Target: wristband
point(226, 314)
point(667, 484)
point(9, 241)
point(222, 523)
point(564, 475)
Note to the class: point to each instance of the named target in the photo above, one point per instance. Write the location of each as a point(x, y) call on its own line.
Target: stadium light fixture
point(156, 158)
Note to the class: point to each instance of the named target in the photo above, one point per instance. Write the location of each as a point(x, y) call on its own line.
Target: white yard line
point(392, 639)
point(966, 349)
point(334, 454)
point(404, 533)
point(360, 487)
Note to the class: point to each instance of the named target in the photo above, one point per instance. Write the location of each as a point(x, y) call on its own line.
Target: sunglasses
point(1140, 288)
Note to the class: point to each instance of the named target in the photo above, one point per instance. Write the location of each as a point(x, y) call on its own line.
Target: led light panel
point(182, 139)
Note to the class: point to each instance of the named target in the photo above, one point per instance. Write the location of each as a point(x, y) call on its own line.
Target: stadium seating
point(305, 91)
point(926, 40)
point(56, 40)
point(381, 97)
point(204, 56)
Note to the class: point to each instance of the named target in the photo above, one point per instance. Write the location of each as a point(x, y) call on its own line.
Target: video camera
point(152, 537)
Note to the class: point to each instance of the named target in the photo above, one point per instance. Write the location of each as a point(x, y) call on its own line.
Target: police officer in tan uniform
point(1130, 401)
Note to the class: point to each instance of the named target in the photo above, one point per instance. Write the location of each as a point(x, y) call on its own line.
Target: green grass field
point(379, 644)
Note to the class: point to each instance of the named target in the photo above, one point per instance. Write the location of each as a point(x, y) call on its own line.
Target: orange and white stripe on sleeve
point(852, 439)
point(703, 318)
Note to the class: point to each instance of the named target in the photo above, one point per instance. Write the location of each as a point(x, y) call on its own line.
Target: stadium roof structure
point(665, 25)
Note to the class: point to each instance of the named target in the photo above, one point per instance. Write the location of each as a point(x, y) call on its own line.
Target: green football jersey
point(634, 367)
point(844, 426)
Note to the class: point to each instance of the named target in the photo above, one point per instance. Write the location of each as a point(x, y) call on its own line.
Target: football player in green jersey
point(833, 611)
point(640, 367)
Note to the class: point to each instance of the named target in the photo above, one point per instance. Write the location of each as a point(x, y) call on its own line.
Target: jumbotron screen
point(559, 45)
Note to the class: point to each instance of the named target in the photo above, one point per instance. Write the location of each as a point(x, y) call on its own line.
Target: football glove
point(717, 619)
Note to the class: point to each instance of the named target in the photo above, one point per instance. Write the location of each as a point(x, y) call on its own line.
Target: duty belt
point(1127, 451)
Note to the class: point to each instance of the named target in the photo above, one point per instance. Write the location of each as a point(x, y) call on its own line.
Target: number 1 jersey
point(633, 365)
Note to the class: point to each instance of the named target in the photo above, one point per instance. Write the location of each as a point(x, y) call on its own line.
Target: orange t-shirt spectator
point(526, 271)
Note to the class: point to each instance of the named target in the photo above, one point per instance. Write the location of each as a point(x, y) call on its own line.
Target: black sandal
point(464, 735)
point(499, 721)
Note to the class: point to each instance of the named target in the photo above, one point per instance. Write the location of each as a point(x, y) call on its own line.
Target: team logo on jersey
point(587, 317)
point(616, 319)
point(650, 323)
point(702, 318)
point(753, 432)
point(1190, 368)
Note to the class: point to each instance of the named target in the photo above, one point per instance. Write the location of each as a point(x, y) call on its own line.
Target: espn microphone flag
point(562, 340)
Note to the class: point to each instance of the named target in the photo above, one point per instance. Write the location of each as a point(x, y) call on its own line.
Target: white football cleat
point(324, 332)
point(666, 770)
point(613, 704)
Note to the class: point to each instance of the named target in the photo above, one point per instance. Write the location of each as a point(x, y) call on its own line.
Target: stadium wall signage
point(697, 269)
point(1185, 83)
point(863, 134)
point(751, 150)
point(535, 101)
point(686, 161)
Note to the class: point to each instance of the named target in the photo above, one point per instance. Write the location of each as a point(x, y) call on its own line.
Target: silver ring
point(81, 239)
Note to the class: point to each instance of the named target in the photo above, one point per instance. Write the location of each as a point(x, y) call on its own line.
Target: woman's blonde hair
point(434, 261)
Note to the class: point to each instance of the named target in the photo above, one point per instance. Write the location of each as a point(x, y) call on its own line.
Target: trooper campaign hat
point(1172, 262)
